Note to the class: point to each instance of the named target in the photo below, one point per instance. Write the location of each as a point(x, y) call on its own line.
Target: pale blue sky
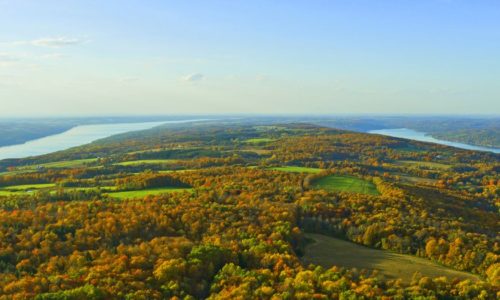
point(166, 57)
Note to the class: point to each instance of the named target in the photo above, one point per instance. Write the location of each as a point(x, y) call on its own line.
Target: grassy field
point(147, 161)
point(143, 193)
point(16, 172)
point(417, 180)
point(297, 169)
point(345, 184)
point(258, 141)
point(66, 164)
point(327, 252)
point(10, 193)
point(57, 164)
point(23, 189)
point(424, 164)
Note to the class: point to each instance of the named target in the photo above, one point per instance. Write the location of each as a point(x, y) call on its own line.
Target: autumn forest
point(249, 210)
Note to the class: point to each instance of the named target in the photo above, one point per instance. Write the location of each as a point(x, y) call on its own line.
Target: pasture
point(24, 188)
point(258, 141)
point(297, 169)
point(423, 164)
point(146, 192)
point(146, 162)
point(64, 164)
point(345, 184)
point(328, 251)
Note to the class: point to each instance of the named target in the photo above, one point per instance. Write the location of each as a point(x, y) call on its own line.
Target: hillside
point(224, 210)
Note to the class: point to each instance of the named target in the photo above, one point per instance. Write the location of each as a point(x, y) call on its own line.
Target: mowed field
point(424, 164)
point(297, 169)
point(146, 192)
point(258, 141)
point(345, 184)
point(63, 164)
point(24, 188)
point(328, 251)
point(146, 162)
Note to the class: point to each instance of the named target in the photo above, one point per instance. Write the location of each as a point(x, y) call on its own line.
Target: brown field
point(328, 251)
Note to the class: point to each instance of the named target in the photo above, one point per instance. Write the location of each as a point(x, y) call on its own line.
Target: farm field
point(259, 140)
point(10, 193)
point(418, 180)
point(220, 212)
point(345, 184)
point(328, 251)
point(143, 193)
point(63, 164)
point(23, 189)
point(297, 169)
point(425, 164)
point(146, 161)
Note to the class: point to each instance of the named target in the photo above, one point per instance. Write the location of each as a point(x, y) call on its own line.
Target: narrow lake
point(423, 137)
point(76, 136)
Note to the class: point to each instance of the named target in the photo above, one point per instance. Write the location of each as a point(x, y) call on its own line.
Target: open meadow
point(329, 251)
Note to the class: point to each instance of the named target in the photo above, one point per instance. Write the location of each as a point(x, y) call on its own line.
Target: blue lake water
point(423, 137)
point(76, 136)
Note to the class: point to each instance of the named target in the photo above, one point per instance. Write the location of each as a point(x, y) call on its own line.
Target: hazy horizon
point(117, 58)
point(254, 115)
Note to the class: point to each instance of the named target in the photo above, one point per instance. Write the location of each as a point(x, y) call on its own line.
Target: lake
point(423, 137)
point(76, 136)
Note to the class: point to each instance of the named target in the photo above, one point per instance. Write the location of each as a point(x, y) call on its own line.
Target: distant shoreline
point(424, 137)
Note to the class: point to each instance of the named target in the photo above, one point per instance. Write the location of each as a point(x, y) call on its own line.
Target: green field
point(258, 140)
point(147, 161)
point(297, 169)
point(143, 193)
point(63, 164)
point(10, 193)
point(24, 188)
point(424, 164)
point(77, 163)
point(327, 252)
point(15, 172)
point(417, 180)
point(345, 184)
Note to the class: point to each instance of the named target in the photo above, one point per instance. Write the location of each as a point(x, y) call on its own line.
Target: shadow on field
point(328, 251)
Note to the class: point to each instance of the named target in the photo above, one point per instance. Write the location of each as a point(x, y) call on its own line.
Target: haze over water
point(76, 136)
point(410, 134)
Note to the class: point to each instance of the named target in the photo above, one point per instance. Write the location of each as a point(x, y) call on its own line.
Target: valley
point(206, 201)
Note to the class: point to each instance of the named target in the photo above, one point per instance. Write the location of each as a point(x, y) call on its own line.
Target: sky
point(94, 57)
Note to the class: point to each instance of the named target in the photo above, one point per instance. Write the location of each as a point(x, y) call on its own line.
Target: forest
point(222, 211)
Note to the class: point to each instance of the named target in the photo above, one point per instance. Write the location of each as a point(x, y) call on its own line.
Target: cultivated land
point(146, 162)
point(297, 169)
point(258, 141)
point(229, 218)
point(146, 192)
point(328, 251)
point(425, 164)
point(345, 184)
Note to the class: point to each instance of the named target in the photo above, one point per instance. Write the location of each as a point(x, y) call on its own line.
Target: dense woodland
point(233, 225)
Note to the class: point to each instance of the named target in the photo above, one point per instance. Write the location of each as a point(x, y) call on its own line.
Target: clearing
point(424, 164)
point(258, 141)
point(297, 169)
point(147, 161)
point(143, 193)
point(24, 188)
point(338, 183)
point(328, 251)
